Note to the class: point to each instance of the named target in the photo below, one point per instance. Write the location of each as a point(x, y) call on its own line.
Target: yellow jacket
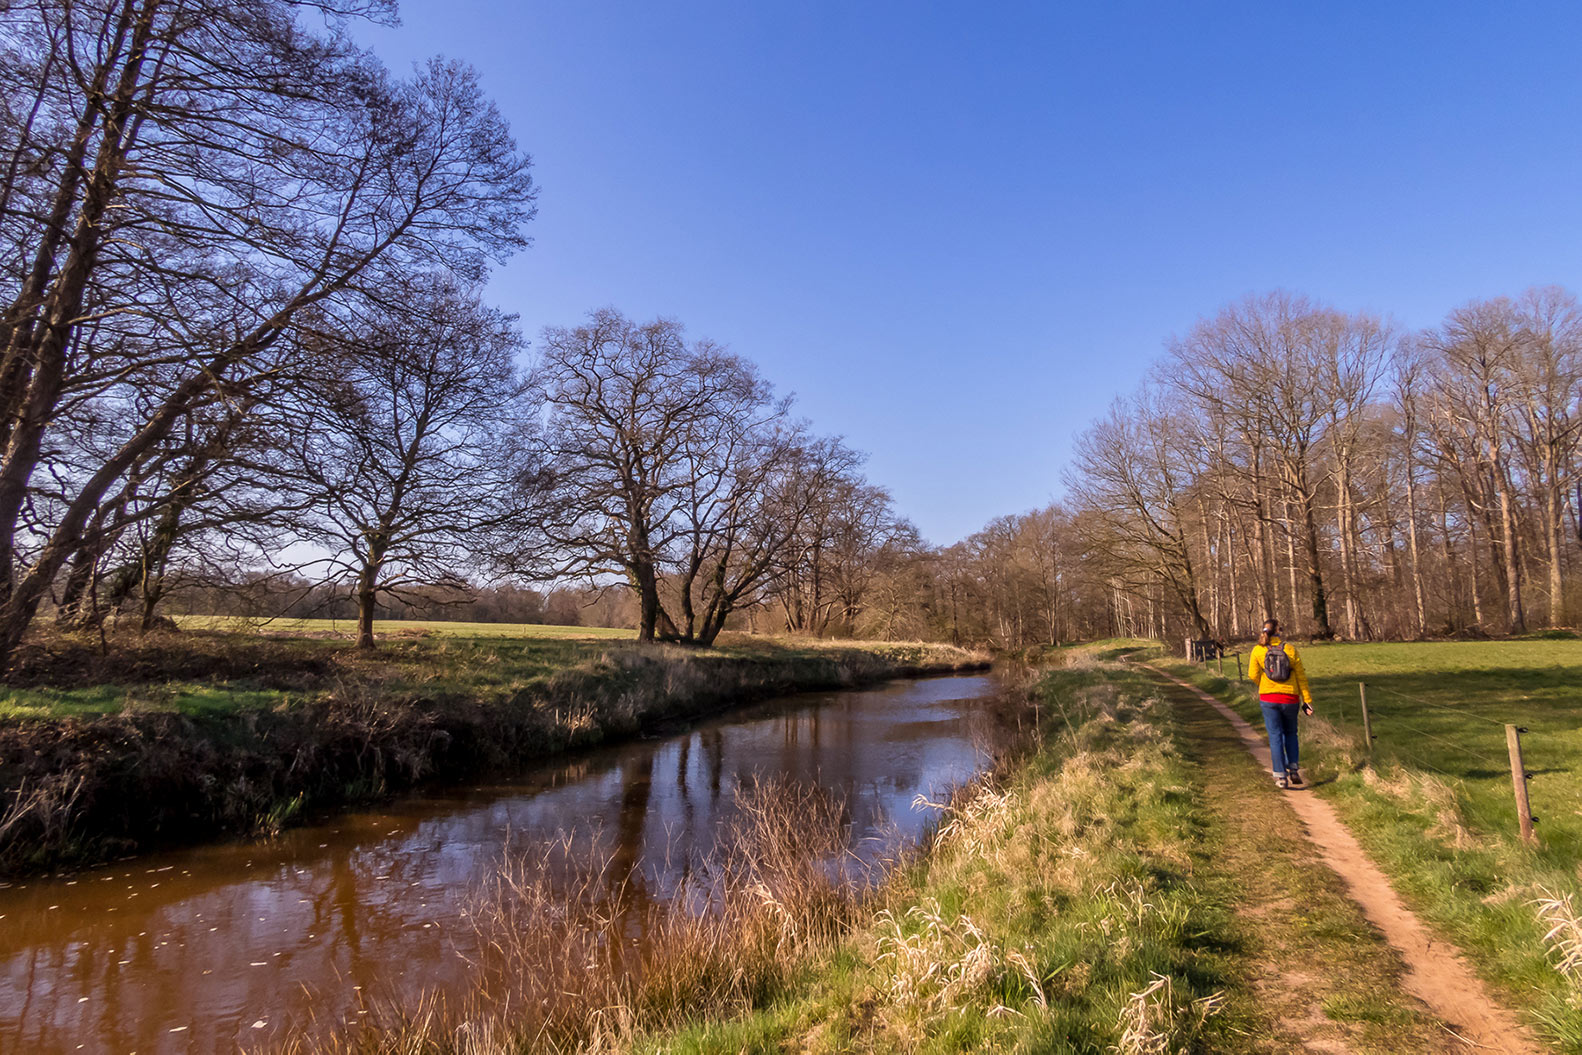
point(1266, 685)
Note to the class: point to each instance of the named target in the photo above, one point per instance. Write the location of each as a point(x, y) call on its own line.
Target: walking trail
point(1312, 993)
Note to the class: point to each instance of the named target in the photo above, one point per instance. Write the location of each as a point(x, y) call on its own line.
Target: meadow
point(220, 665)
point(386, 629)
point(1435, 808)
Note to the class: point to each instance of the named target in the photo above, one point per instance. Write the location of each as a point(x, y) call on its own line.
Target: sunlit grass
point(1441, 707)
point(1042, 918)
point(403, 627)
point(218, 664)
point(1436, 808)
point(178, 696)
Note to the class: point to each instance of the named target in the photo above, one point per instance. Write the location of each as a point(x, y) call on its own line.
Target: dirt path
point(1455, 1007)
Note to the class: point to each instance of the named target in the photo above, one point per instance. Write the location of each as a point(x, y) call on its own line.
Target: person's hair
point(1270, 628)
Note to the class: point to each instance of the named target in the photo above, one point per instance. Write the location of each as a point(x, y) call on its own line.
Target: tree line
point(1285, 458)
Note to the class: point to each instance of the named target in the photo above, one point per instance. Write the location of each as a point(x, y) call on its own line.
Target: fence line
point(1440, 706)
point(1448, 743)
point(1513, 735)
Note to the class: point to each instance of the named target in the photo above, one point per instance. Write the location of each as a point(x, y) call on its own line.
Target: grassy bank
point(1055, 911)
point(389, 629)
point(1435, 808)
point(202, 734)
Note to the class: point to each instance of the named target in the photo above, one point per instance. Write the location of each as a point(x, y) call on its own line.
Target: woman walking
point(1277, 669)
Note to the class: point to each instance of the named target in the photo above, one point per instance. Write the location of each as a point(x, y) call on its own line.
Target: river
point(208, 949)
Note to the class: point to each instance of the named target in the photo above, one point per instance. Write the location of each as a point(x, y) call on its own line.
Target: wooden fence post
point(1524, 812)
point(1367, 725)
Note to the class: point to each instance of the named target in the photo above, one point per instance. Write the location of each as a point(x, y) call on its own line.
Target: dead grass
point(1156, 1021)
point(563, 969)
point(1563, 937)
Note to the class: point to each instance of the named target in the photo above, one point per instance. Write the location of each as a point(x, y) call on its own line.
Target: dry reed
point(578, 956)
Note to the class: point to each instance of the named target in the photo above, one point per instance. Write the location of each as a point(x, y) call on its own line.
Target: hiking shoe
point(1282, 781)
point(1293, 777)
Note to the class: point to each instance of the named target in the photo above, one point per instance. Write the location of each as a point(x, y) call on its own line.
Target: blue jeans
point(1280, 720)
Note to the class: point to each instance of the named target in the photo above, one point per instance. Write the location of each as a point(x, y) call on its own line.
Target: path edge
point(1437, 972)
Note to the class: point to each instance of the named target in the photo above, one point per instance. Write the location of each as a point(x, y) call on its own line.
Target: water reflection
point(197, 951)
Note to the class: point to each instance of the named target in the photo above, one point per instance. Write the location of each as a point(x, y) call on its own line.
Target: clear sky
point(958, 231)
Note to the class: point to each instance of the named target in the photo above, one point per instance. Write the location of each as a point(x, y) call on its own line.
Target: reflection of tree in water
point(349, 909)
point(635, 900)
point(714, 745)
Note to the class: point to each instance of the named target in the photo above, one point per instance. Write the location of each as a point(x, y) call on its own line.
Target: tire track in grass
point(1431, 970)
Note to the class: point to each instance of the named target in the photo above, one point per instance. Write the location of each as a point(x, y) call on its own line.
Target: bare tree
point(1545, 418)
point(188, 180)
point(1348, 360)
point(1475, 354)
point(401, 451)
point(656, 455)
point(848, 535)
point(748, 486)
point(1406, 394)
point(1134, 469)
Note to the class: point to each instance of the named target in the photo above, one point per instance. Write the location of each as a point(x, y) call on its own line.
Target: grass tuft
point(1563, 939)
point(1155, 1021)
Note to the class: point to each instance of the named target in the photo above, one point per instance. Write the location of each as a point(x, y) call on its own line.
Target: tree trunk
point(1348, 577)
point(1554, 516)
point(1412, 551)
point(1307, 504)
point(59, 311)
point(367, 595)
point(1472, 564)
point(1235, 601)
point(1516, 619)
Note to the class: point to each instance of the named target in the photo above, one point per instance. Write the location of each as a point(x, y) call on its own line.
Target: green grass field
point(1441, 707)
point(207, 671)
point(1436, 807)
point(218, 665)
point(230, 663)
point(387, 628)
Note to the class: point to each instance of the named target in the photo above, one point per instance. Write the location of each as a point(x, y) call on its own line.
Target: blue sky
point(958, 231)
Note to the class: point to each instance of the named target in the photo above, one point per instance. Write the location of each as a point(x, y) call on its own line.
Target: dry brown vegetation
point(564, 968)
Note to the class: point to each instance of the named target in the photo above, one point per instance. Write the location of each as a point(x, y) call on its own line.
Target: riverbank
point(1133, 888)
point(1129, 884)
point(193, 736)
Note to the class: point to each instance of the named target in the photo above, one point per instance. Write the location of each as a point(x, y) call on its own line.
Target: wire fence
point(1438, 706)
point(1396, 729)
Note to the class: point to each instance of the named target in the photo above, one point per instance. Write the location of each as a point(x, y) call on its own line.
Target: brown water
point(209, 949)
